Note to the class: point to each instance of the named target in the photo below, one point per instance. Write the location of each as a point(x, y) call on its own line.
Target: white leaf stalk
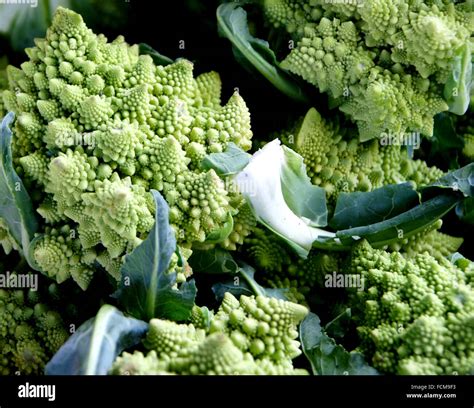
point(260, 183)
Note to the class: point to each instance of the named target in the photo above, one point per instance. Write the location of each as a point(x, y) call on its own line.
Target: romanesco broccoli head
point(97, 127)
point(341, 164)
point(438, 244)
point(30, 331)
point(385, 61)
point(416, 315)
point(253, 335)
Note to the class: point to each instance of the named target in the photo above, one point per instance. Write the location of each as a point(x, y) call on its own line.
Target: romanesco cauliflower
point(30, 331)
point(253, 335)
point(416, 315)
point(384, 61)
point(341, 164)
point(97, 127)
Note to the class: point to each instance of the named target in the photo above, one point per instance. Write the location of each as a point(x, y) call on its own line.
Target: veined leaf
point(214, 261)
point(458, 86)
point(232, 23)
point(15, 204)
point(93, 348)
point(282, 197)
point(158, 59)
point(465, 210)
point(364, 208)
point(460, 180)
point(403, 225)
point(244, 283)
point(227, 163)
point(241, 279)
point(147, 289)
point(327, 357)
point(305, 199)
point(336, 328)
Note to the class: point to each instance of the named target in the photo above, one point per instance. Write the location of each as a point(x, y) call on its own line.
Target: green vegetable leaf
point(278, 190)
point(460, 180)
point(248, 275)
point(403, 225)
point(446, 143)
point(219, 235)
point(232, 23)
point(327, 357)
point(337, 328)
point(230, 162)
point(214, 261)
point(458, 86)
point(95, 345)
point(305, 199)
point(243, 283)
point(219, 261)
point(364, 208)
point(15, 205)
point(237, 289)
point(147, 289)
point(158, 58)
point(465, 210)
point(460, 261)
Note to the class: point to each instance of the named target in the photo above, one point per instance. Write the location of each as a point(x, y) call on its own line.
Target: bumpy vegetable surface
point(384, 61)
point(416, 316)
point(31, 331)
point(321, 246)
point(339, 163)
point(97, 127)
point(253, 335)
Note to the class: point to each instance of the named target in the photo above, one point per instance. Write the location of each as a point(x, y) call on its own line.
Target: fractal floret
point(30, 331)
point(416, 316)
point(384, 62)
point(341, 164)
point(97, 127)
point(253, 335)
point(438, 244)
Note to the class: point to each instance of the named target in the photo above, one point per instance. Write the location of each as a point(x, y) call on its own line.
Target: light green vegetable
point(253, 335)
point(415, 317)
point(97, 126)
